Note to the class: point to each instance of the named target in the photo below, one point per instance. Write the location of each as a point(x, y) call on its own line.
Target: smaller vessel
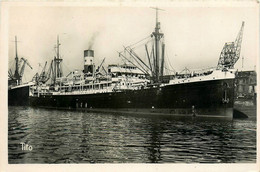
point(18, 92)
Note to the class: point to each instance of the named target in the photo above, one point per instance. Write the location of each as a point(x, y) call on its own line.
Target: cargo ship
point(140, 87)
point(18, 92)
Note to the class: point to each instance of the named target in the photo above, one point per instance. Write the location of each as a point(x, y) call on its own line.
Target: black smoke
point(92, 40)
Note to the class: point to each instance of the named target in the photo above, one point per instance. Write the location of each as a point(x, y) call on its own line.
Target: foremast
point(57, 63)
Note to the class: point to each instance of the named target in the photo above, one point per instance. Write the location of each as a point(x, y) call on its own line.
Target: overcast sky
point(194, 36)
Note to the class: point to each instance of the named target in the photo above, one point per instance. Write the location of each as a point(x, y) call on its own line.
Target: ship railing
point(90, 91)
point(213, 75)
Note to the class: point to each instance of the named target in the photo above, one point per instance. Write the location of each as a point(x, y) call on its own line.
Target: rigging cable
point(169, 61)
point(138, 41)
point(66, 67)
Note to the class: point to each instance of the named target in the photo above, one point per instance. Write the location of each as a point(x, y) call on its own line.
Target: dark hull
point(18, 96)
point(205, 98)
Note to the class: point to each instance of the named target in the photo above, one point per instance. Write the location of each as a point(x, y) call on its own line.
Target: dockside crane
point(36, 77)
point(25, 62)
point(231, 52)
point(10, 74)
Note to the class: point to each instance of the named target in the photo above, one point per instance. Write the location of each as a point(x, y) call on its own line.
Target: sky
point(194, 36)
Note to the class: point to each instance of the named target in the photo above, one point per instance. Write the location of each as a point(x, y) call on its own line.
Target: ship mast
point(19, 67)
point(57, 61)
point(16, 73)
point(157, 35)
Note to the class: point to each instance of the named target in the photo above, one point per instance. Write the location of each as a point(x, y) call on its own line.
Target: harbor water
point(59, 136)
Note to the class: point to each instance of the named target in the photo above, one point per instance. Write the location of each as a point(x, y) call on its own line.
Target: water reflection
point(80, 137)
point(154, 148)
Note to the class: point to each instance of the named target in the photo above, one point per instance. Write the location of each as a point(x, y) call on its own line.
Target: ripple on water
point(79, 137)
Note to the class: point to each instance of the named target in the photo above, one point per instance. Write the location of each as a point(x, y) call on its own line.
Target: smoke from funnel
point(92, 40)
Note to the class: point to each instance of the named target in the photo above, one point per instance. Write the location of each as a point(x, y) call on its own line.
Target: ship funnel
point(89, 62)
point(89, 53)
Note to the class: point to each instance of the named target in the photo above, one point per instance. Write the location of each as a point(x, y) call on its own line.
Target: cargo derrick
point(45, 75)
point(154, 70)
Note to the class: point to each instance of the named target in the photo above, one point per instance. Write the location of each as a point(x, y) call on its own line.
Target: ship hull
point(212, 98)
point(18, 96)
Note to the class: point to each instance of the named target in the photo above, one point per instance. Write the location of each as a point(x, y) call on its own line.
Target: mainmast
point(157, 35)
